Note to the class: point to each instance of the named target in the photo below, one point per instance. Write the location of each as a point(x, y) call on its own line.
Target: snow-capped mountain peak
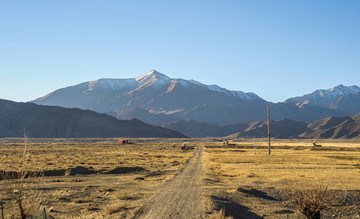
point(334, 92)
point(152, 90)
point(343, 90)
point(325, 98)
point(158, 80)
point(153, 74)
point(152, 79)
point(337, 91)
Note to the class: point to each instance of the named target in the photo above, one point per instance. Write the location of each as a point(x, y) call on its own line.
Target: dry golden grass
point(234, 177)
point(219, 215)
point(102, 156)
point(242, 174)
point(96, 195)
point(335, 168)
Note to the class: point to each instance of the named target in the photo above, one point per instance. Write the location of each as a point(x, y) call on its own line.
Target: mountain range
point(157, 99)
point(58, 122)
point(51, 121)
point(328, 128)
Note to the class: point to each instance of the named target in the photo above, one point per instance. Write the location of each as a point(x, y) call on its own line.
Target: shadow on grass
point(233, 209)
point(257, 193)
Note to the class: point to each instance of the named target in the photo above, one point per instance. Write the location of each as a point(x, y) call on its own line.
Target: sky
point(275, 48)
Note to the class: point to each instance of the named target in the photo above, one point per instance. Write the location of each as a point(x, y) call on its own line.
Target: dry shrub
point(219, 215)
point(24, 184)
point(114, 208)
point(311, 201)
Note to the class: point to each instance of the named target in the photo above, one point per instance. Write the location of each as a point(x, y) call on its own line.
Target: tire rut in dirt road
point(181, 196)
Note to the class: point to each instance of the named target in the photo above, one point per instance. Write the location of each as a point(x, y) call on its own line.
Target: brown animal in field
point(124, 141)
point(316, 145)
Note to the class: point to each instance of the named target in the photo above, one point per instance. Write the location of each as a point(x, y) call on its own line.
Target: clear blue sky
point(274, 48)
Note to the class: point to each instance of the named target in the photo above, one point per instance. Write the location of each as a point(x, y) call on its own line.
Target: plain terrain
point(99, 178)
point(249, 183)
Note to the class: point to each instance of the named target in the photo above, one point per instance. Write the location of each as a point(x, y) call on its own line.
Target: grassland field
point(99, 178)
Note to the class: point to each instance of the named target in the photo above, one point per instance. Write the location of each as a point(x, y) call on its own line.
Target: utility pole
point(268, 123)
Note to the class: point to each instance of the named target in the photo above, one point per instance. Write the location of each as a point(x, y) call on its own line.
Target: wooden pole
point(268, 123)
point(125, 147)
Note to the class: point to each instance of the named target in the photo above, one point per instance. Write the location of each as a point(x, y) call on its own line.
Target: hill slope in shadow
point(58, 122)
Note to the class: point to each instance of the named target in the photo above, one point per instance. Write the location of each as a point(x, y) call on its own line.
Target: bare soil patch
point(180, 197)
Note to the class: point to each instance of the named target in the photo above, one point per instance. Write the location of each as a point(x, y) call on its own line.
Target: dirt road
point(181, 196)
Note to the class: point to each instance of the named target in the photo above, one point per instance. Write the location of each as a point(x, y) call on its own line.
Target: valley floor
point(249, 183)
point(100, 178)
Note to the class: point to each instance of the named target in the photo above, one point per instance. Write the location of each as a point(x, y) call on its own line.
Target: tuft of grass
point(311, 201)
point(25, 185)
point(114, 208)
point(219, 215)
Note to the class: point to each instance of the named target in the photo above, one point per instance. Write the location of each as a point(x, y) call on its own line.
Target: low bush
point(311, 201)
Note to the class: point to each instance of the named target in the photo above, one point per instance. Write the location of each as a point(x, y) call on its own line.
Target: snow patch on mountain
point(337, 91)
point(216, 88)
point(154, 79)
point(152, 75)
point(325, 98)
point(151, 80)
point(343, 90)
point(163, 80)
point(195, 82)
point(110, 84)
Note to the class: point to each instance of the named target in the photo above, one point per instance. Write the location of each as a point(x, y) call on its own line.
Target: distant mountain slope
point(50, 121)
point(245, 112)
point(153, 91)
point(280, 129)
point(144, 115)
point(157, 99)
point(334, 127)
point(203, 129)
point(341, 98)
point(331, 127)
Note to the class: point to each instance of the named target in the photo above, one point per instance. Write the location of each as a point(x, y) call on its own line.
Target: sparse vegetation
point(219, 215)
point(135, 176)
point(24, 186)
point(311, 201)
point(243, 182)
point(261, 185)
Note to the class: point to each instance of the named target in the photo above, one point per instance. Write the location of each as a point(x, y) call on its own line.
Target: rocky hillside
point(331, 127)
point(334, 127)
point(50, 121)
